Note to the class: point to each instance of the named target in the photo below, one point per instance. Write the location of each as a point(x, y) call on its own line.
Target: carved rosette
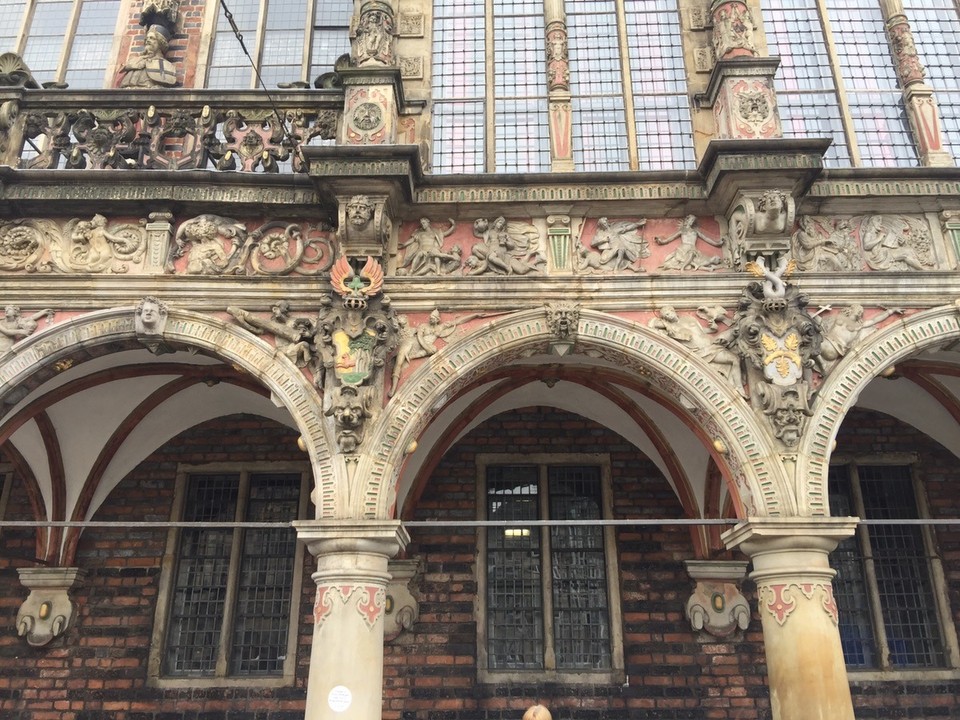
point(732, 30)
point(368, 118)
point(558, 63)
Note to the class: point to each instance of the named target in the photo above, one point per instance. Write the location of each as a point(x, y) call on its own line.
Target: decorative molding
point(369, 602)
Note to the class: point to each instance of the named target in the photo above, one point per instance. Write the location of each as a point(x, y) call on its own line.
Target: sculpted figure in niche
point(617, 246)
point(687, 257)
point(824, 248)
point(842, 331)
point(151, 69)
point(14, 327)
point(505, 248)
point(892, 243)
point(293, 335)
point(689, 332)
point(424, 251)
point(421, 341)
point(772, 213)
point(374, 41)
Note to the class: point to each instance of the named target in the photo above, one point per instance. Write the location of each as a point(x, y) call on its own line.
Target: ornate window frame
point(950, 669)
point(221, 678)
point(615, 673)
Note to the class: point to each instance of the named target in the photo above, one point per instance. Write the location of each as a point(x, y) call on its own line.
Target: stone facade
point(241, 292)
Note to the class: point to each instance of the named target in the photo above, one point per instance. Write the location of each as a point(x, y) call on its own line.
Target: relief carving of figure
point(374, 39)
point(202, 241)
point(359, 211)
point(150, 317)
point(151, 69)
point(842, 331)
point(425, 254)
point(896, 243)
point(686, 256)
point(824, 245)
point(733, 30)
point(772, 213)
point(689, 332)
point(293, 335)
point(421, 341)
point(505, 248)
point(14, 326)
point(89, 247)
point(616, 246)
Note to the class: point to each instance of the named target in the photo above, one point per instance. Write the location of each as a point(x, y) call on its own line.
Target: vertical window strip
point(11, 20)
point(520, 87)
point(514, 584)
point(936, 32)
point(459, 86)
point(92, 42)
point(806, 93)
point(229, 67)
point(46, 36)
point(331, 35)
point(876, 103)
point(596, 85)
point(283, 39)
point(658, 75)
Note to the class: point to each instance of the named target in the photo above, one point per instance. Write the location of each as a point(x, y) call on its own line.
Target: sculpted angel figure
point(15, 327)
point(424, 251)
point(293, 335)
point(687, 257)
point(689, 332)
point(842, 331)
point(421, 341)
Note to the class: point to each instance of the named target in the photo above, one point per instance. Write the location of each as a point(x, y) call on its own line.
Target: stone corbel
point(402, 606)
point(365, 226)
point(48, 611)
point(563, 319)
point(761, 223)
point(716, 606)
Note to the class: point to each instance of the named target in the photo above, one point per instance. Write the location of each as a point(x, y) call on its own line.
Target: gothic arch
point(843, 386)
point(713, 404)
point(230, 343)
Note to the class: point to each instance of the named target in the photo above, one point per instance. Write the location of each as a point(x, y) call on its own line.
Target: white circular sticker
point(339, 698)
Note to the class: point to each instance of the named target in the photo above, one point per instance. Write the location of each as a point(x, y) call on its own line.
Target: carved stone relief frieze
point(421, 341)
point(896, 243)
point(424, 253)
point(687, 256)
point(842, 332)
point(824, 244)
point(216, 245)
point(505, 248)
point(294, 335)
point(617, 245)
point(38, 245)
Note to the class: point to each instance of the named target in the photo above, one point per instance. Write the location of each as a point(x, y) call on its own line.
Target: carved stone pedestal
point(48, 610)
point(346, 659)
point(807, 674)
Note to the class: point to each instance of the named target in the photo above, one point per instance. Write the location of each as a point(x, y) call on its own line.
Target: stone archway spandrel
point(230, 343)
point(841, 389)
point(713, 405)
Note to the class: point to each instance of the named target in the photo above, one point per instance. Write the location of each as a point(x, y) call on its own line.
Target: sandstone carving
point(209, 242)
point(294, 336)
point(505, 248)
point(686, 256)
point(615, 246)
point(825, 245)
point(716, 606)
point(425, 254)
point(48, 611)
point(150, 320)
point(373, 44)
point(732, 29)
point(421, 341)
point(160, 11)
point(896, 243)
point(14, 327)
point(841, 332)
point(562, 319)
point(151, 69)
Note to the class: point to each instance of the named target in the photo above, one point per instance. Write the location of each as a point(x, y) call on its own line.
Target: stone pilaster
point(346, 659)
point(807, 674)
point(558, 87)
point(918, 98)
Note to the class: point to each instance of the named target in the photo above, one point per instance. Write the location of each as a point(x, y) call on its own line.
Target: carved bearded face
point(359, 212)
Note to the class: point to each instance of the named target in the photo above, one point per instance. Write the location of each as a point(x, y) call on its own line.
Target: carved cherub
point(842, 331)
point(421, 341)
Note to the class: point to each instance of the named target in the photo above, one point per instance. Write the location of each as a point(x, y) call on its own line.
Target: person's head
point(425, 223)
point(435, 317)
point(156, 40)
point(11, 312)
point(668, 313)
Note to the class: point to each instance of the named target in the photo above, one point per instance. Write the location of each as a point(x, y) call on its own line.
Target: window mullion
point(627, 80)
point(67, 46)
point(839, 87)
point(546, 572)
point(869, 570)
point(20, 46)
point(489, 105)
point(258, 45)
point(308, 33)
point(233, 573)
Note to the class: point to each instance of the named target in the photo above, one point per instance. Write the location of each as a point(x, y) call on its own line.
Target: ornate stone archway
point(230, 343)
point(843, 386)
point(759, 480)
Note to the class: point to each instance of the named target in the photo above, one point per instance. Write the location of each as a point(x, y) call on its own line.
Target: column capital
point(369, 537)
point(794, 546)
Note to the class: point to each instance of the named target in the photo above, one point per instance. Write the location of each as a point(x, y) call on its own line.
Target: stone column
point(805, 667)
point(346, 659)
point(918, 98)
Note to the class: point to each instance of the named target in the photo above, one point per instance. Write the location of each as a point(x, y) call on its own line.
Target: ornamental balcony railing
point(163, 129)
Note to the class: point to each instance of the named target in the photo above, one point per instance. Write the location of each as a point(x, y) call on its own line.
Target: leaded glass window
point(884, 585)
point(232, 589)
point(547, 588)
